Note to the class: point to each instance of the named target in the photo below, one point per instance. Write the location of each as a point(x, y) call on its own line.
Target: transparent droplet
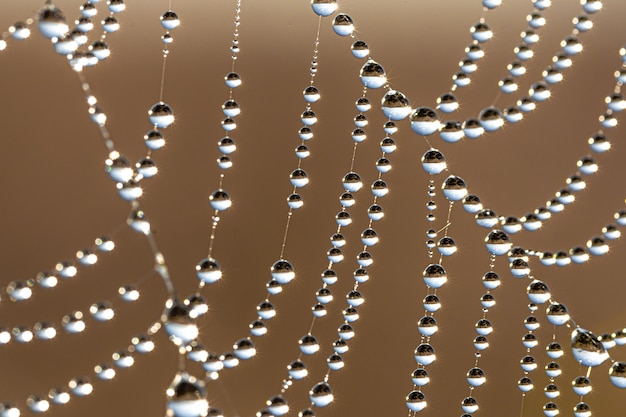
point(617, 374)
point(415, 401)
point(469, 405)
point(529, 340)
point(525, 384)
point(528, 363)
point(481, 32)
point(104, 372)
point(161, 115)
point(571, 46)
point(345, 331)
point(277, 405)
point(425, 121)
point(329, 277)
point(179, 325)
point(433, 162)
point(395, 105)
point(282, 271)
point(557, 314)
point(22, 334)
point(582, 410)
point(51, 22)
point(427, 326)
point(373, 75)
point(435, 276)
point(80, 387)
point(186, 397)
point(266, 310)
point(431, 303)
point(483, 327)
point(232, 80)
point(308, 117)
point(343, 25)
point(213, 363)
point(321, 394)
point(35, 403)
point(170, 20)
point(350, 314)
point(360, 49)
point(44, 330)
point(454, 188)
point(295, 201)
point(298, 178)
point(102, 311)
point(244, 349)
point(476, 377)
point(323, 8)
point(73, 323)
point(297, 370)
point(425, 354)
point(491, 119)
point(59, 396)
point(587, 349)
point(581, 385)
point(486, 218)
point(19, 290)
point(128, 293)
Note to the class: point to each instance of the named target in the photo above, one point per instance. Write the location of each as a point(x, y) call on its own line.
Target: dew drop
point(186, 396)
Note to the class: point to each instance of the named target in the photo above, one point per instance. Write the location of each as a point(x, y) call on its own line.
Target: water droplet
point(551, 391)
point(266, 310)
point(44, 330)
point(329, 277)
point(617, 374)
point(321, 394)
point(323, 8)
point(481, 32)
point(308, 344)
point(469, 405)
point(425, 121)
point(525, 384)
point(298, 178)
point(497, 242)
point(415, 401)
point(297, 370)
point(491, 119)
point(587, 349)
point(294, 201)
point(73, 323)
point(22, 334)
point(51, 22)
point(128, 293)
point(170, 20)
point(433, 162)
point(179, 325)
point(476, 377)
point(550, 409)
point(350, 314)
point(538, 292)
point(486, 218)
point(186, 397)
point(483, 327)
point(571, 46)
point(352, 182)
point(308, 117)
point(395, 105)
point(102, 311)
point(36, 404)
point(557, 314)
point(345, 331)
point(80, 387)
point(427, 326)
point(528, 363)
point(581, 385)
point(369, 237)
point(354, 298)
point(343, 25)
point(388, 145)
point(425, 354)
point(282, 271)
point(277, 405)
point(435, 276)
point(161, 115)
point(582, 410)
point(373, 75)
point(529, 340)
point(360, 49)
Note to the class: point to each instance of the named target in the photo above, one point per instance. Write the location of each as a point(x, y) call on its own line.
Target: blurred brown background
point(57, 199)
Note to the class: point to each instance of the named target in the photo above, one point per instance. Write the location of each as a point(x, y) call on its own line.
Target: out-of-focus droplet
point(51, 22)
point(186, 397)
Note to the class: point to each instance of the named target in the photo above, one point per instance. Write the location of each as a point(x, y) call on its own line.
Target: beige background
point(57, 199)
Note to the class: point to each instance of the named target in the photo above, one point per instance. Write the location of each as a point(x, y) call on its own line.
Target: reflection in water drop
point(587, 349)
point(186, 397)
point(179, 325)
